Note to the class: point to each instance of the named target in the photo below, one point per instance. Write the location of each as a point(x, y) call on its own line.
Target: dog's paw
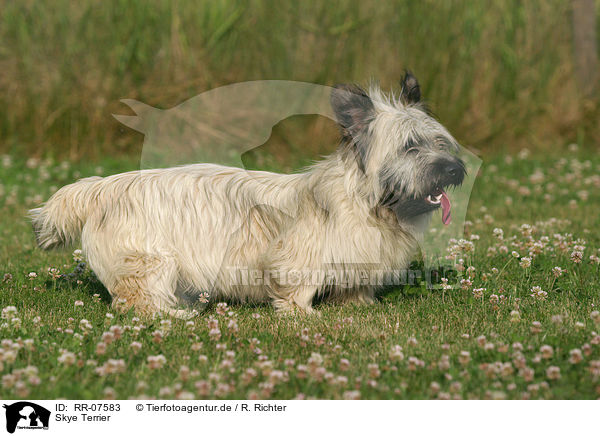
point(355, 300)
point(295, 310)
point(183, 314)
point(309, 311)
point(362, 302)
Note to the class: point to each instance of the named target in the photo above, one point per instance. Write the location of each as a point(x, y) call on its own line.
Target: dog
point(155, 237)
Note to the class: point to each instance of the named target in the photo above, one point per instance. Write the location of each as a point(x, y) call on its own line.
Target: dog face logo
point(26, 415)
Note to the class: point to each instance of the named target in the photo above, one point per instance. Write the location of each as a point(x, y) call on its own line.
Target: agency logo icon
point(26, 415)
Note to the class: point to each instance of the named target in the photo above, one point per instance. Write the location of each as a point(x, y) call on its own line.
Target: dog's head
point(407, 157)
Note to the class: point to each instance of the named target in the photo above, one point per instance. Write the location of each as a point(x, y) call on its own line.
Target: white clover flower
point(203, 298)
point(538, 293)
point(515, 316)
point(54, 272)
point(16, 322)
point(575, 356)
point(67, 358)
point(464, 358)
point(478, 292)
point(536, 327)
point(547, 351)
point(156, 362)
point(396, 354)
point(526, 230)
point(465, 284)
point(525, 262)
point(577, 256)
point(9, 312)
point(553, 372)
point(466, 246)
point(351, 395)
point(373, 369)
point(6, 161)
point(471, 271)
point(78, 255)
point(214, 334)
point(315, 360)
point(414, 363)
point(84, 324)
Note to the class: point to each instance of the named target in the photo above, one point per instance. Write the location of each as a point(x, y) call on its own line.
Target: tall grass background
point(498, 74)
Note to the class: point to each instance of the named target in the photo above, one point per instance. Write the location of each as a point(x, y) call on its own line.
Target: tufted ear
point(411, 90)
point(353, 109)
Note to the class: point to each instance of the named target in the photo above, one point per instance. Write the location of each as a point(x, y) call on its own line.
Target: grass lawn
point(486, 338)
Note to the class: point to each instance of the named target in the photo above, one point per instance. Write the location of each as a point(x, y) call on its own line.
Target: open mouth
point(439, 198)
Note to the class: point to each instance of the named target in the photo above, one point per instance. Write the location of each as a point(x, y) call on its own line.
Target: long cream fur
point(154, 235)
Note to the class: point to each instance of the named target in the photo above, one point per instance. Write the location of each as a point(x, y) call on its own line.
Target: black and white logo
point(26, 415)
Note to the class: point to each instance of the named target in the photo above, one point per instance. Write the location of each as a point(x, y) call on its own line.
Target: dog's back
point(61, 219)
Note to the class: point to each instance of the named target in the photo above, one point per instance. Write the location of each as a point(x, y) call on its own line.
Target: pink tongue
point(446, 215)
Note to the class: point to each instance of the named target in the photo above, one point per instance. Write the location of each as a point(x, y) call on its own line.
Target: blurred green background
point(500, 75)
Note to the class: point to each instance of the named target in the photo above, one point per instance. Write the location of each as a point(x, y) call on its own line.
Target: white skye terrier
point(154, 237)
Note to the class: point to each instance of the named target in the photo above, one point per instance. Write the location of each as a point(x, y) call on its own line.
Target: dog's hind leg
point(292, 300)
point(147, 283)
point(288, 299)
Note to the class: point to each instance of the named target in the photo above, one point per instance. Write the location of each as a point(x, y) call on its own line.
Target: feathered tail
point(60, 220)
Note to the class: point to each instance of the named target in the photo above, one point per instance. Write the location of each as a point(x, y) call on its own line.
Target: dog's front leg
point(292, 265)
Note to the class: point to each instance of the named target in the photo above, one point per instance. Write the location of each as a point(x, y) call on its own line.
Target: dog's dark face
point(418, 186)
point(408, 156)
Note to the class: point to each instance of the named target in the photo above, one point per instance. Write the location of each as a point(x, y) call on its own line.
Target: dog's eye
point(441, 143)
point(410, 146)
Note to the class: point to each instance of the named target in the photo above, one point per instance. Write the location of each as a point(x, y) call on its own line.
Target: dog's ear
point(353, 109)
point(411, 90)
